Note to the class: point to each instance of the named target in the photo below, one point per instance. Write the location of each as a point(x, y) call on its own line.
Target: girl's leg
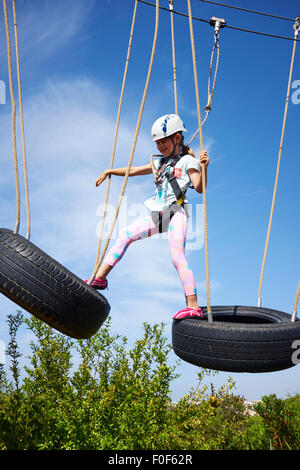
point(177, 237)
point(139, 229)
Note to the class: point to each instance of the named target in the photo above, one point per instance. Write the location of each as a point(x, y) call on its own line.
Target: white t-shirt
point(165, 196)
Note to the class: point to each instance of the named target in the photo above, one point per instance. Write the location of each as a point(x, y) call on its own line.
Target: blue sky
point(72, 60)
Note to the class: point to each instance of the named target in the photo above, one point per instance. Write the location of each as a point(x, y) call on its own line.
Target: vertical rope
point(154, 171)
point(202, 165)
point(173, 55)
point(17, 224)
point(133, 145)
point(22, 122)
point(296, 28)
point(116, 132)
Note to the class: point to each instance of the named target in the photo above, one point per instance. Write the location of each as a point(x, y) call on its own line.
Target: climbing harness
point(167, 170)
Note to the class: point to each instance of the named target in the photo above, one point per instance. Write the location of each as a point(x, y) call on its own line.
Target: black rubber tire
point(46, 289)
point(240, 339)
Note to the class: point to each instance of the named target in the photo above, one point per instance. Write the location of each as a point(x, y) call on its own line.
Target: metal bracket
point(17, 227)
point(297, 26)
point(89, 283)
point(217, 23)
point(294, 316)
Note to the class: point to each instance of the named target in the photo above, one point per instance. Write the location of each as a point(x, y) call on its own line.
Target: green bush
point(277, 426)
point(115, 399)
point(101, 394)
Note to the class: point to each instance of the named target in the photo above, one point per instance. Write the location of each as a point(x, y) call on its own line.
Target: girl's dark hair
point(185, 149)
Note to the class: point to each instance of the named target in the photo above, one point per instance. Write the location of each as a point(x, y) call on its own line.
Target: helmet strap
point(172, 154)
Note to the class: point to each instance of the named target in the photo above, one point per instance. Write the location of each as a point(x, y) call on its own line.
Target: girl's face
point(166, 145)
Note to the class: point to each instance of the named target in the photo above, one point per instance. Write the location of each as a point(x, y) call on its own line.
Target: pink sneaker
point(99, 284)
point(188, 312)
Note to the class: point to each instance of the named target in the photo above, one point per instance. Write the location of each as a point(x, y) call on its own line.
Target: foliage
point(277, 426)
point(208, 419)
point(117, 397)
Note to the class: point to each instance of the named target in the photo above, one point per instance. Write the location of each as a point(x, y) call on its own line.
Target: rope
point(296, 28)
point(210, 92)
point(175, 12)
point(154, 171)
point(203, 166)
point(17, 224)
point(134, 143)
point(294, 315)
point(22, 122)
point(173, 55)
point(116, 133)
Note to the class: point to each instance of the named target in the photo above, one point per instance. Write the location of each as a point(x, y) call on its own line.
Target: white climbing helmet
point(167, 125)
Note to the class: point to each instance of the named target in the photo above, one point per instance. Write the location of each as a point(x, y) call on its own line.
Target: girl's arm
point(134, 171)
point(196, 176)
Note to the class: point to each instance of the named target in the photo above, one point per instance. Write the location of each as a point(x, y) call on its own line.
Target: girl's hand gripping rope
point(204, 158)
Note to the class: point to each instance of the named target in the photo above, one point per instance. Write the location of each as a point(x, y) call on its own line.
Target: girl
point(175, 172)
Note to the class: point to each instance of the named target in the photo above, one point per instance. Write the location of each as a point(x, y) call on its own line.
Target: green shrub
point(277, 426)
point(101, 394)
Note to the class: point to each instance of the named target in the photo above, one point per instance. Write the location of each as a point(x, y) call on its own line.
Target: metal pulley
point(217, 23)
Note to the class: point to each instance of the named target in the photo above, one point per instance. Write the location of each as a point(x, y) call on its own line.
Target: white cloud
point(69, 131)
point(45, 26)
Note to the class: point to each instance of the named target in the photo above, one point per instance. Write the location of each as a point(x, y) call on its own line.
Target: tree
point(116, 398)
point(277, 425)
point(100, 393)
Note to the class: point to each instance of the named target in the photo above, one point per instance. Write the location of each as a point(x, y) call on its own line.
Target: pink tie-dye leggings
point(145, 227)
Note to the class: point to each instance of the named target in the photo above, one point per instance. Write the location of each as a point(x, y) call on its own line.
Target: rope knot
point(208, 106)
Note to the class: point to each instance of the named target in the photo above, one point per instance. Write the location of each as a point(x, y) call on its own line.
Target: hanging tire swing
point(238, 338)
point(45, 288)
point(31, 278)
